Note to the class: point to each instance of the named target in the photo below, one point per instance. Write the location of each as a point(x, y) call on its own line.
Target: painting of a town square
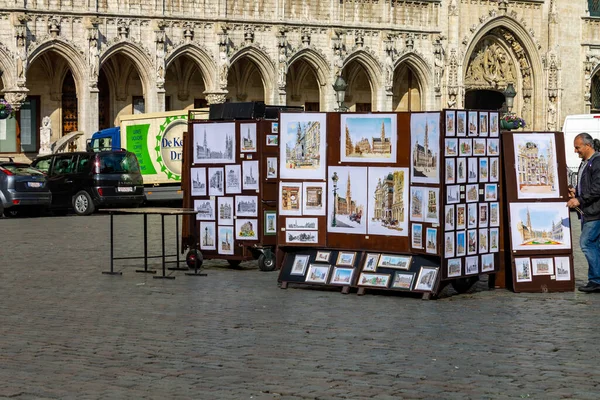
point(388, 201)
point(302, 150)
point(214, 143)
point(346, 210)
point(368, 138)
point(537, 168)
point(540, 226)
point(247, 138)
point(425, 148)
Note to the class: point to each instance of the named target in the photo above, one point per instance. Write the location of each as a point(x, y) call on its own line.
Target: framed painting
point(317, 273)
point(431, 240)
point(299, 265)
point(214, 143)
point(523, 269)
point(302, 153)
point(542, 266)
point(472, 265)
point(290, 198)
point(539, 226)
point(341, 276)
point(454, 267)
point(208, 236)
point(314, 198)
point(346, 210)
point(225, 210)
point(373, 280)
point(427, 279)
point(394, 261)
point(425, 148)
point(417, 236)
point(322, 256)
point(403, 280)
point(270, 223)
point(487, 263)
point(368, 138)
point(563, 268)
point(225, 240)
point(246, 229)
point(198, 181)
point(536, 166)
point(247, 138)
point(346, 258)
point(387, 194)
point(370, 264)
point(272, 140)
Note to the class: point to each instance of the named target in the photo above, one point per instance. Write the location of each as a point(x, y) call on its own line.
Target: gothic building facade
point(86, 63)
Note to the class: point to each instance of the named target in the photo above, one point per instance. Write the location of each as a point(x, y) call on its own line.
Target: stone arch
point(369, 63)
point(7, 69)
point(315, 60)
point(203, 60)
point(530, 87)
point(421, 69)
point(300, 65)
point(73, 57)
point(265, 66)
point(140, 58)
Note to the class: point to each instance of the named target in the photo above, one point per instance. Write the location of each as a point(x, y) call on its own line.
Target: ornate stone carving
point(249, 34)
point(409, 42)
point(21, 56)
point(453, 8)
point(216, 98)
point(94, 55)
point(54, 26)
point(438, 64)
point(282, 59)
point(359, 38)
point(123, 28)
point(188, 32)
point(552, 113)
point(16, 98)
point(489, 66)
point(45, 135)
point(305, 37)
point(159, 40)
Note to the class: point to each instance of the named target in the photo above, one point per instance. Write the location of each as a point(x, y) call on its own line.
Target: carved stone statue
point(94, 61)
point(21, 59)
point(223, 68)
point(45, 135)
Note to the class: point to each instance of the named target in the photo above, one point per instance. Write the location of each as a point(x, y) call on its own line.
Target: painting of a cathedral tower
point(347, 205)
point(388, 201)
point(214, 143)
point(537, 171)
point(425, 148)
point(368, 138)
point(540, 226)
point(302, 148)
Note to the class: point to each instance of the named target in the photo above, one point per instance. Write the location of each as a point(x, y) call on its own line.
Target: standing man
point(586, 200)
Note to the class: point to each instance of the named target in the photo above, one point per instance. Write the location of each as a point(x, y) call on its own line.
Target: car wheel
point(83, 204)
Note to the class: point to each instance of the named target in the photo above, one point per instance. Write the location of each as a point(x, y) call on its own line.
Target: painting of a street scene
point(214, 143)
point(540, 226)
point(388, 201)
point(347, 208)
point(425, 148)
point(302, 150)
point(537, 173)
point(368, 138)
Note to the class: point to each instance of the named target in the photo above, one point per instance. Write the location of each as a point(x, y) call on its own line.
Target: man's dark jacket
point(588, 192)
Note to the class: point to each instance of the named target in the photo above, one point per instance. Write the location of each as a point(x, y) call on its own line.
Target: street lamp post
point(334, 178)
point(509, 95)
point(340, 86)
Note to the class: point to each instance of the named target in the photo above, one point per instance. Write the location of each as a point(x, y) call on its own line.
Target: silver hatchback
point(23, 189)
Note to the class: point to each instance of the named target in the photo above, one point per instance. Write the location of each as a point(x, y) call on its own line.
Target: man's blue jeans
point(590, 245)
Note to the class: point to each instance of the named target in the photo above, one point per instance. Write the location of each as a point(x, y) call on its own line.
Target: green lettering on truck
point(137, 142)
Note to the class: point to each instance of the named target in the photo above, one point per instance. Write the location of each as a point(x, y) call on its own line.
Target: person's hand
point(571, 192)
point(572, 203)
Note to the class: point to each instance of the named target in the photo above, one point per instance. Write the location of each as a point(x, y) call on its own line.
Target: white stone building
point(85, 63)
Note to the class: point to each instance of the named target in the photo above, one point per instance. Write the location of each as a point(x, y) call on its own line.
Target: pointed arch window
point(595, 98)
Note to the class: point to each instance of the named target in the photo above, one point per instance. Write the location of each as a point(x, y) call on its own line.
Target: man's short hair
point(586, 138)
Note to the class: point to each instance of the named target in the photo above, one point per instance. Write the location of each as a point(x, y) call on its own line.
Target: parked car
point(86, 181)
point(22, 189)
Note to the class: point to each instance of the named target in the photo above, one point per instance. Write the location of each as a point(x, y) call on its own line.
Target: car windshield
point(22, 169)
point(120, 163)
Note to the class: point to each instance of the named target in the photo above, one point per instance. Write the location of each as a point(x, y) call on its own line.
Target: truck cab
point(106, 140)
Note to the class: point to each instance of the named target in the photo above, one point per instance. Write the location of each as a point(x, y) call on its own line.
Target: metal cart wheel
point(462, 285)
point(266, 264)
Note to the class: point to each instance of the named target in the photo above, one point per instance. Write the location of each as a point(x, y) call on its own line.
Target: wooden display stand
point(229, 180)
point(537, 191)
point(385, 190)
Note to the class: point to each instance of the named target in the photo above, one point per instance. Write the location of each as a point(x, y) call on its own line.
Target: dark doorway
point(103, 102)
point(69, 105)
point(484, 100)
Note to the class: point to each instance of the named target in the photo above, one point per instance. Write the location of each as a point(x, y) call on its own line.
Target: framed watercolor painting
point(427, 279)
point(247, 138)
point(347, 208)
point(368, 138)
point(317, 273)
point(299, 265)
point(225, 240)
point(370, 264)
point(539, 226)
point(322, 256)
point(346, 258)
point(374, 280)
point(394, 261)
point(387, 191)
point(341, 276)
point(425, 148)
point(403, 280)
point(270, 224)
point(536, 166)
point(302, 151)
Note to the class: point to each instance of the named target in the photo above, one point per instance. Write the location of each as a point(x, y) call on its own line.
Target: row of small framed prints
point(474, 265)
point(471, 242)
point(221, 238)
point(472, 123)
point(471, 215)
point(472, 170)
point(557, 268)
point(230, 179)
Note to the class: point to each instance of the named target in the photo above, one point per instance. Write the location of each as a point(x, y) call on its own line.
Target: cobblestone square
point(69, 332)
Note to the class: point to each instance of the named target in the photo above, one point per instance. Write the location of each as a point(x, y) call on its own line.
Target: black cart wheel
point(194, 259)
point(83, 204)
point(234, 263)
point(462, 285)
point(266, 264)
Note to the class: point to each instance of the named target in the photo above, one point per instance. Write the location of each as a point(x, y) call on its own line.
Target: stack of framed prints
point(233, 174)
point(536, 195)
point(472, 212)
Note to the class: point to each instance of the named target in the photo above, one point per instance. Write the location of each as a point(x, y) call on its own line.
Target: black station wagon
point(85, 181)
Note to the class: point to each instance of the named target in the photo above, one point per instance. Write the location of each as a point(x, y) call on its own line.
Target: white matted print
point(425, 148)
point(453, 194)
point(432, 202)
point(491, 192)
point(461, 123)
point(473, 170)
point(461, 216)
point(205, 209)
point(272, 140)
point(214, 143)
point(302, 149)
point(487, 263)
point(417, 195)
point(347, 208)
point(417, 236)
point(473, 122)
point(317, 273)
point(450, 170)
point(479, 147)
point(537, 167)
point(483, 123)
point(563, 268)
point(250, 175)
point(484, 171)
point(299, 265)
point(543, 266)
point(431, 241)
point(369, 138)
point(454, 267)
point(272, 167)
point(494, 240)
point(233, 179)
point(247, 138)
point(494, 169)
point(472, 216)
point(208, 236)
point(216, 182)
point(246, 206)
point(314, 198)
point(471, 265)
point(451, 148)
point(341, 276)
point(523, 269)
point(306, 224)
point(461, 170)
point(427, 279)
point(461, 244)
point(306, 237)
point(494, 124)
point(374, 280)
point(483, 241)
point(387, 196)
point(493, 147)
point(540, 226)
point(225, 210)
point(472, 242)
point(246, 229)
point(450, 123)
point(225, 240)
point(449, 244)
point(449, 220)
point(494, 214)
point(472, 192)
point(483, 215)
point(290, 198)
point(465, 147)
point(198, 181)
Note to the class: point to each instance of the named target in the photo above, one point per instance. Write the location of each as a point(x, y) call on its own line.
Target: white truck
point(157, 141)
point(574, 125)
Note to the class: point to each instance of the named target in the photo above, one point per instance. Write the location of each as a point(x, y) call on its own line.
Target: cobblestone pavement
point(69, 332)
